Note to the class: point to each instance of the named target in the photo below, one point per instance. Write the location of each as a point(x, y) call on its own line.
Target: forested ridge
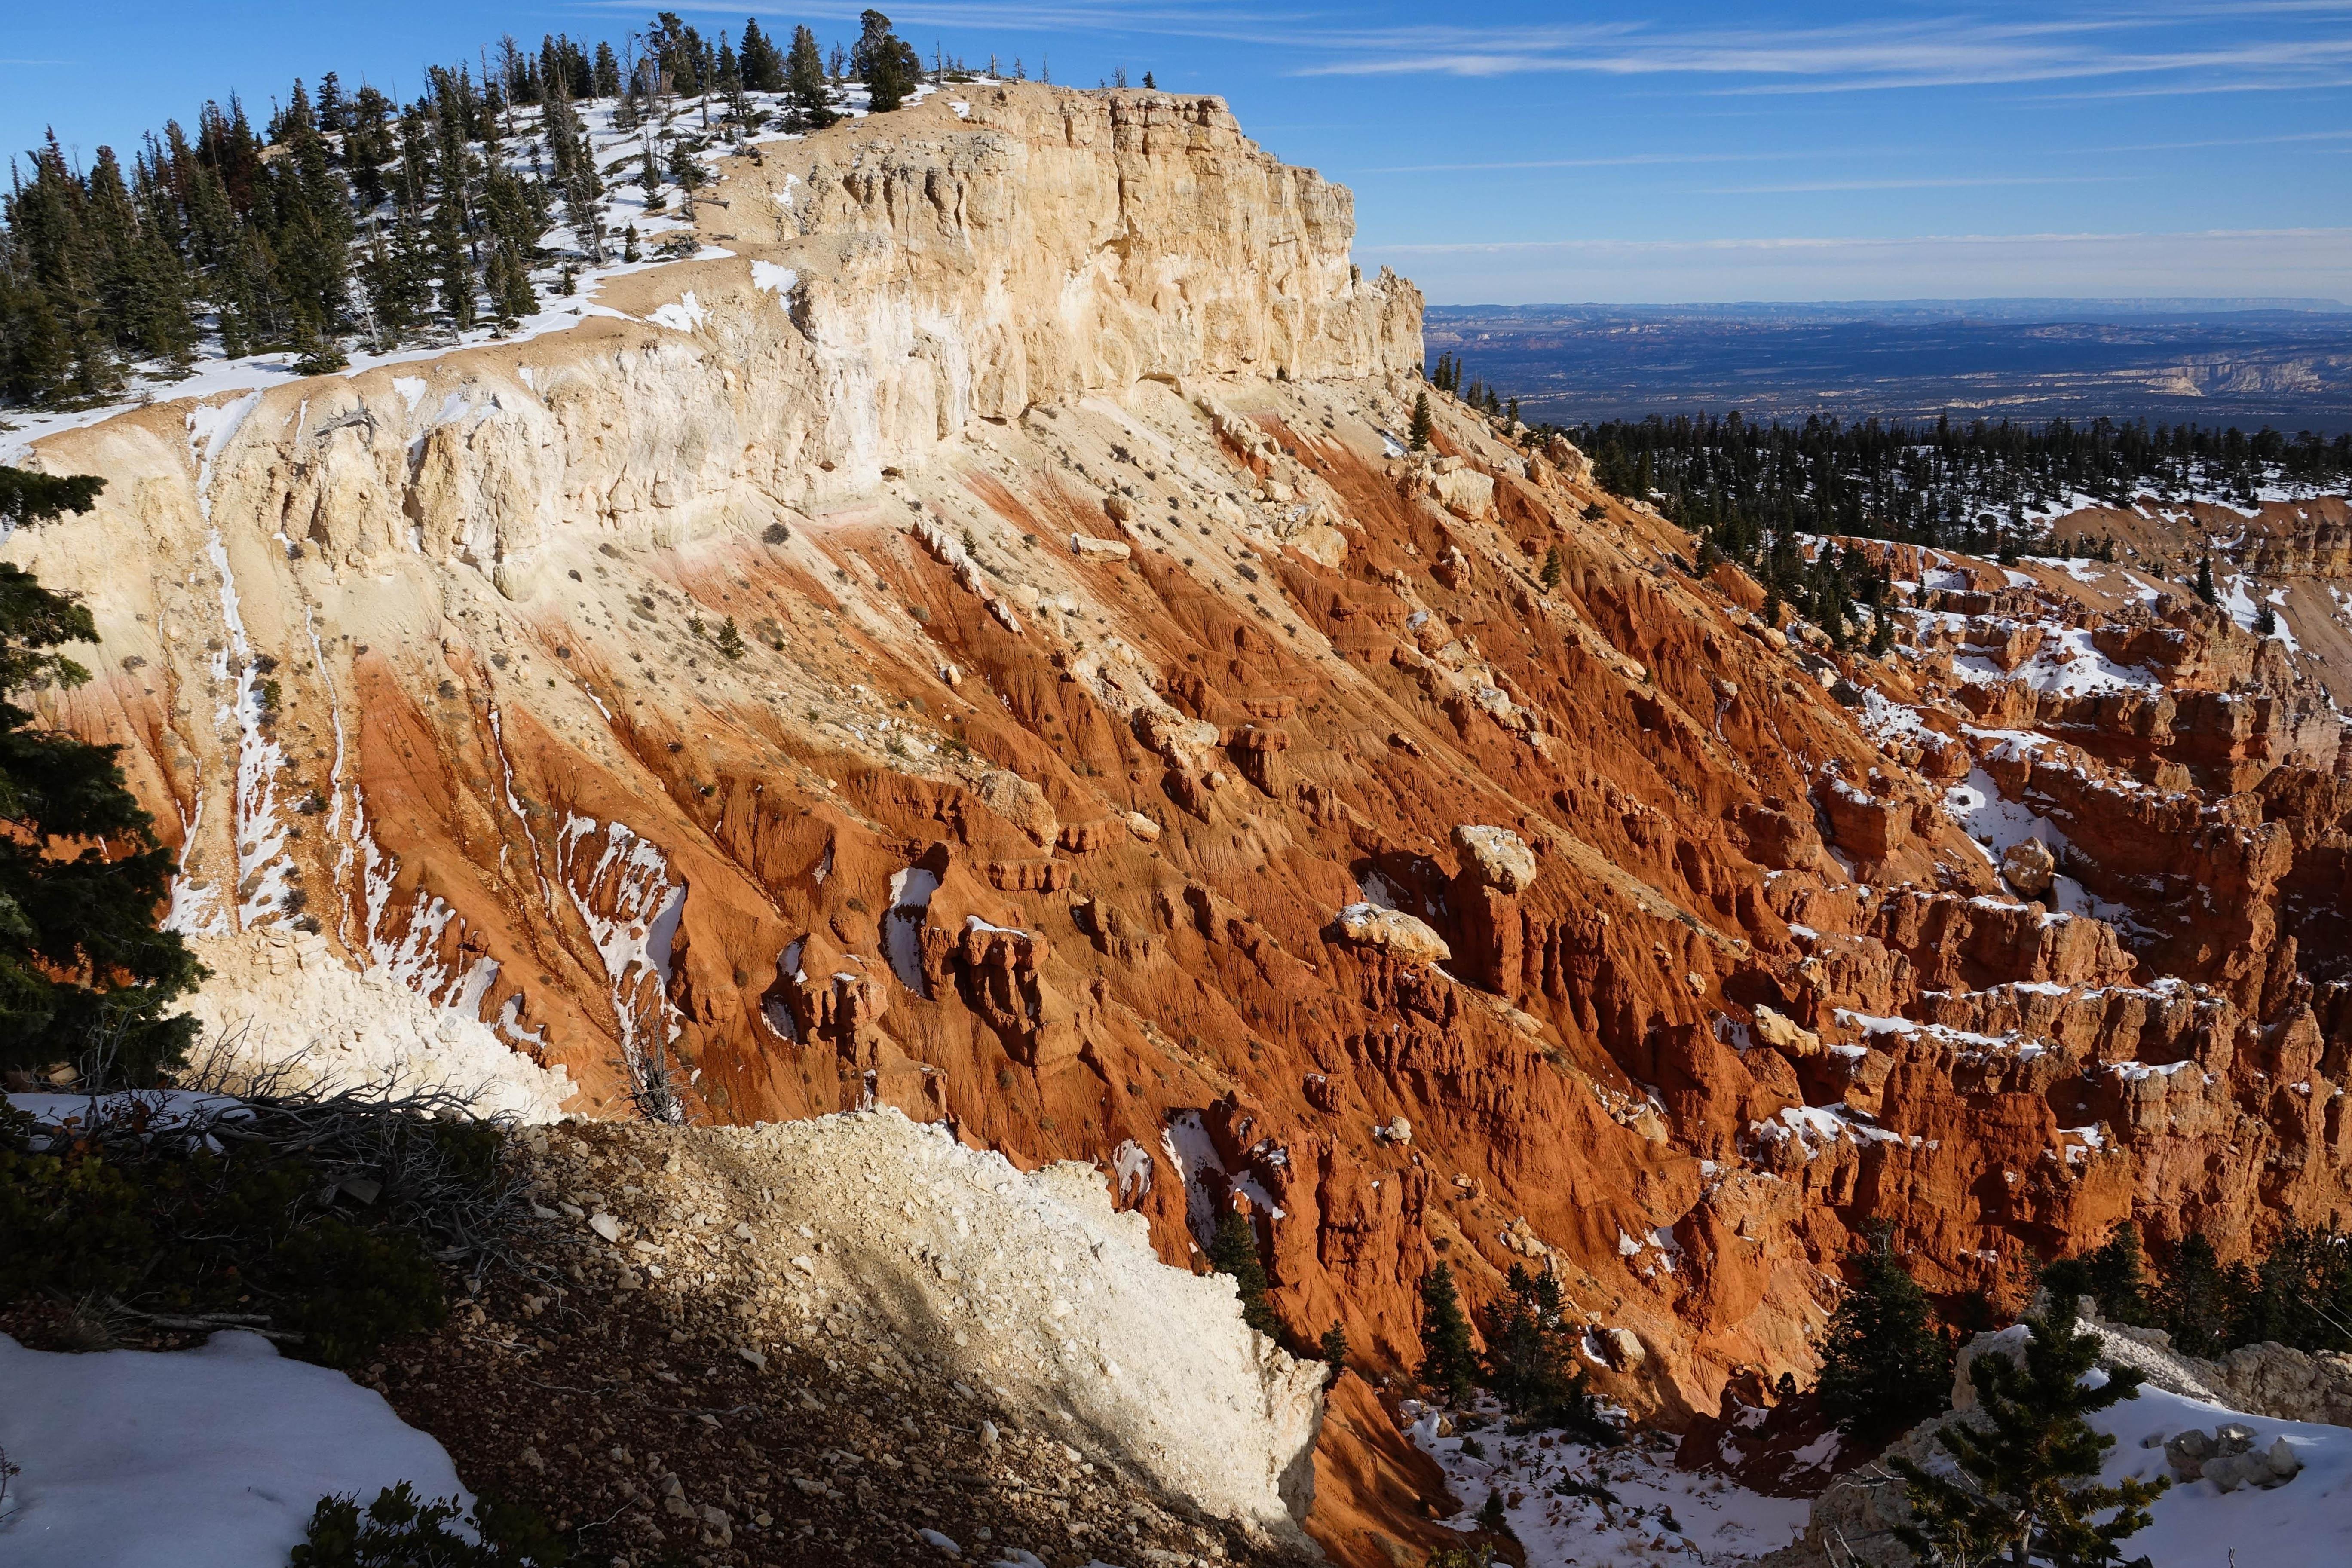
point(347, 221)
point(1977, 486)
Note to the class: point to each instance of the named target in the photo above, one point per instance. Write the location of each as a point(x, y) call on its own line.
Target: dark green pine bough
point(1883, 1365)
point(86, 970)
point(2027, 1491)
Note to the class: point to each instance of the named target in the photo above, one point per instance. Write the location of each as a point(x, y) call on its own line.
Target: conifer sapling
point(1448, 1365)
point(1884, 1366)
point(1233, 1250)
point(2028, 1462)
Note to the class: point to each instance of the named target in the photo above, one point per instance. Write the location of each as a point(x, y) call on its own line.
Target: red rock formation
point(1054, 844)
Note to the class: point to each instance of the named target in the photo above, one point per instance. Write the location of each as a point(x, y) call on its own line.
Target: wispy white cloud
point(2339, 236)
point(1962, 47)
point(1624, 161)
point(2340, 138)
point(1917, 183)
point(1954, 50)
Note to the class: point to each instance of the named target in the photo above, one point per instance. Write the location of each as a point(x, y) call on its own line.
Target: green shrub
point(75, 1226)
point(1883, 1365)
point(359, 1289)
point(1449, 1364)
point(398, 1531)
point(258, 1231)
point(1478, 1556)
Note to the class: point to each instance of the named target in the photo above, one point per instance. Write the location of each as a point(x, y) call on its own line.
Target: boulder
point(1321, 544)
point(1867, 827)
point(1500, 858)
point(1392, 931)
point(2228, 1458)
point(2186, 1453)
point(1785, 1035)
point(1090, 548)
point(2028, 866)
point(1465, 492)
point(1020, 803)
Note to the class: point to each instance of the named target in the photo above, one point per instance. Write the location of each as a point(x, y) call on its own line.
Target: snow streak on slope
point(631, 906)
point(1572, 1503)
point(408, 949)
point(259, 833)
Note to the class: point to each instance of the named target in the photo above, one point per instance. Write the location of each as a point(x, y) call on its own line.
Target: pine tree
point(453, 267)
point(2198, 1302)
point(1523, 1352)
point(2205, 581)
point(577, 181)
point(2028, 1463)
point(1884, 1366)
point(608, 72)
point(163, 320)
point(85, 970)
point(1333, 1351)
point(512, 295)
point(804, 80)
point(762, 65)
point(884, 62)
point(2265, 619)
point(1882, 633)
point(1424, 427)
point(1449, 1365)
point(2302, 1293)
point(1552, 569)
point(311, 236)
point(730, 639)
point(1233, 1250)
point(2111, 1274)
point(54, 251)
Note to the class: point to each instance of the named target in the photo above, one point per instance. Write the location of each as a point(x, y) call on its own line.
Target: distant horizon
point(2120, 301)
point(2025, 360)
point(2155, 304)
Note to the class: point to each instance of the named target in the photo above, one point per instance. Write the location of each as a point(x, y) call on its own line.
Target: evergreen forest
point(346, 221)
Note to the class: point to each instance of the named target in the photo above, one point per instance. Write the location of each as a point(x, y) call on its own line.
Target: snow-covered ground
point(1652, 1509)
point(212, 1457)
point(2306, 1523)
point(1659, 1513)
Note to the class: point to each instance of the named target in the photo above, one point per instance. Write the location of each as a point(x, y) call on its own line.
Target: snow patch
point(684, 315)
point(211, 1457)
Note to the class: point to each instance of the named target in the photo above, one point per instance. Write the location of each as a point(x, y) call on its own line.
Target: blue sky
point(1519, 152)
